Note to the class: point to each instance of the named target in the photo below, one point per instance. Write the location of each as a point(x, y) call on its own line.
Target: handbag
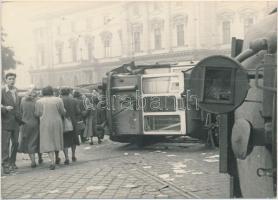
point(80, 125)
point(67, 125)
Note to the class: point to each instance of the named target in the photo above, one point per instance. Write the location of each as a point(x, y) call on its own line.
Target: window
point(107, 48)
point(74, 51)
point(136, 41)
point(58, 30)
point(165, 123)
point(180, 35)
point(60, 54)
point(226, 30)
point(135, 10)
point(157, 38)
point(73, 26)
point(90, 50)
point(41, 57)
point(89, 24)
point(41, 33)
point(247, 23)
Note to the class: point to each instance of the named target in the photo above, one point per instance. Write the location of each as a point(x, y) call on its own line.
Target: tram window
point(160, 104)
point(162, 123)
point(159, 85)
point(218, 85)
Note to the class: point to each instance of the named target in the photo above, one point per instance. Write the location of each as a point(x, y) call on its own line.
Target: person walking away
point(72, 112)
point(11, 120)
point(29, 132)
point(80, 118)
point(50, 110)
point(90, 118)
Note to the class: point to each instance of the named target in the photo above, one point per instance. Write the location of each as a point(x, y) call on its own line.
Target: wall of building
point(140, 31)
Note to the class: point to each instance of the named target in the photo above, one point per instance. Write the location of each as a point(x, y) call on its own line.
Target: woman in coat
point(50, 110)
point(29, 134)
point(91, 116)
point(72, 112)
point(80, 118)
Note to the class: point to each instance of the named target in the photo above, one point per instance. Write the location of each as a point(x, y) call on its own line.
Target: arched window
point(225, 19)
point(59, 49)
point(226, 32)
point(180, 22)
point(106, 37)
point(136, 41)
point(180, 35)
point(107, 48)
point(89, 41)
point(157, 26)
point(157, 38)
point(73, 42)
point(136, 31)
point(247, 22)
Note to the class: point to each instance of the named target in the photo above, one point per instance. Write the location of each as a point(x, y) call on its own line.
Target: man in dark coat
point(11, 119)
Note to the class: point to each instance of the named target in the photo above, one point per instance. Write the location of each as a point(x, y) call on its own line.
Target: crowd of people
point(48, 121)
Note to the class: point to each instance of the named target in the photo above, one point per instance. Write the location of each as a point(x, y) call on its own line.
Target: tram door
point(125, 112)
point(161, 94)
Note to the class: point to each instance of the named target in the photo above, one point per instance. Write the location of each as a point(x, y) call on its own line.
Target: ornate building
point(79, 46)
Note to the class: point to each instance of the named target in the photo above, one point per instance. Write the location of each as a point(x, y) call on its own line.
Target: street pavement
point(114, 170)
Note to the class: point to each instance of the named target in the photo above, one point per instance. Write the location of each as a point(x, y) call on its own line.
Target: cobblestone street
point(115, 170)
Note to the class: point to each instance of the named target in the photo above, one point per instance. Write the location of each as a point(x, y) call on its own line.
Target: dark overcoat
point(10, 119)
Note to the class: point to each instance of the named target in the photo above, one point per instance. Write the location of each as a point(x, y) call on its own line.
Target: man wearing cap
point(11, 119)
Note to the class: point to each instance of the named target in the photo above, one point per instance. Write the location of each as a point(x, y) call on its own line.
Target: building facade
point(78, 46)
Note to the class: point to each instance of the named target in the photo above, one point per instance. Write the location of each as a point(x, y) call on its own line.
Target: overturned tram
point(146, 102)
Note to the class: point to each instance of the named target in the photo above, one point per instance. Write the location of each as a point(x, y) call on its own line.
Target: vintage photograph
point(138, 99)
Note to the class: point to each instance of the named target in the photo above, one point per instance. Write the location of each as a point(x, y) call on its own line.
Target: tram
point(242, 91)
point(147, 102)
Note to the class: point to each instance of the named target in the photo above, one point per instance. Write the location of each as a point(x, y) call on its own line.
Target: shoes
point(58, 160)
point(6, 170)
point(99, 142)
point(52, 167)
point(74, 159)
point(40, 161)
point(33, 165)
point(67, 162)
point(91, 143)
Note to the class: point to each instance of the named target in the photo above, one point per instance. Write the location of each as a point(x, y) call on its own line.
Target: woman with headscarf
point(50, 110)
point(29, 134)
